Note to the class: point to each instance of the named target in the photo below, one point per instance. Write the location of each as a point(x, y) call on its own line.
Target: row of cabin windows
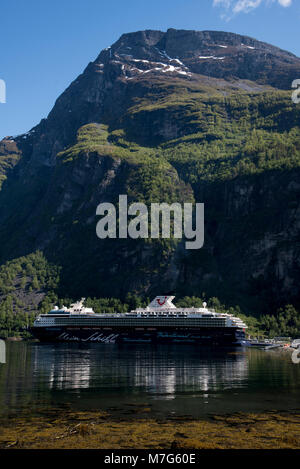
point(138, 323)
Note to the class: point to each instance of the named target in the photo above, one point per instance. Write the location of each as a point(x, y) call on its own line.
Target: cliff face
point(164, 117)
point(252, 240)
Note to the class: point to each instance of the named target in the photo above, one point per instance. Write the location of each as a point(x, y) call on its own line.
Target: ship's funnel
point(162, 302)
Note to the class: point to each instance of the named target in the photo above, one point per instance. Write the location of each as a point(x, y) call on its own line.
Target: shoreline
point(66, 429)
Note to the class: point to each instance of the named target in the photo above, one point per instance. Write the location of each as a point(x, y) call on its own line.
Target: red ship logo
point(161, 302)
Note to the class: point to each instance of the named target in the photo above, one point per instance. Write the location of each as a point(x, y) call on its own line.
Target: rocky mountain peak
point(190, 53)
point(137, 60)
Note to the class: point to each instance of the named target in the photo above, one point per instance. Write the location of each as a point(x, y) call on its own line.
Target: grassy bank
point(99, 430)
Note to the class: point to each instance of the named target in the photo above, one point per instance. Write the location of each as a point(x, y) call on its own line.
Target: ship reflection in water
point(162, 370)
point(167, 379)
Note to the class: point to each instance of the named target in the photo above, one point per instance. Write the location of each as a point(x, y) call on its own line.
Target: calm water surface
point(170, 380)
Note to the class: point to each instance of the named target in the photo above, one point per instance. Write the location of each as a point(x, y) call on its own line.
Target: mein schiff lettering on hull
point(159, 322)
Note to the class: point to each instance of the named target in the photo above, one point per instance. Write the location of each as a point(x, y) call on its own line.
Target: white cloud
point(285, 3)
point(245, 6)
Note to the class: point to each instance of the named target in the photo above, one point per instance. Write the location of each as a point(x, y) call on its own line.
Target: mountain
point(174, 116)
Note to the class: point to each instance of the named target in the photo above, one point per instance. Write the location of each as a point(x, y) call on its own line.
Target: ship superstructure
point(160, 321)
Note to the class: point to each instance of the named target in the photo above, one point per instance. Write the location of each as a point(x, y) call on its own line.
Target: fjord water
point(167, 380)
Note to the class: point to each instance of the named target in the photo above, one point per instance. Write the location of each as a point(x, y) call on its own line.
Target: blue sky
point(45, 45)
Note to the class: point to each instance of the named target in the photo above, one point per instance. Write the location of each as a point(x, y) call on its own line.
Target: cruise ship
point(160, 322)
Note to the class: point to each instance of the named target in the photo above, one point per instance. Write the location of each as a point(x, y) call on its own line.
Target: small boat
point(272, 346)
point(295, 343)
point(256, 343)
